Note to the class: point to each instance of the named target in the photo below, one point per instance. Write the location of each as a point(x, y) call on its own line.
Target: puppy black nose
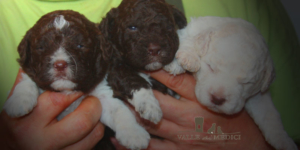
point(154, 49)
point(216, 100)
point(60, 65)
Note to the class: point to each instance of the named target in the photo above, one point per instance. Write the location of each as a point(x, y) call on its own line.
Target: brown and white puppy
point(143, 36)
point(144, 32)
point(65, 52)
point(62, 52)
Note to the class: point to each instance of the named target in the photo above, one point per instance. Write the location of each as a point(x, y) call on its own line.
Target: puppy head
point(144, 32)
point(230, 75)
point(63, 52)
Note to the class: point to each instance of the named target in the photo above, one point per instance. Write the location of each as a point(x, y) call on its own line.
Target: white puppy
point(233, 68)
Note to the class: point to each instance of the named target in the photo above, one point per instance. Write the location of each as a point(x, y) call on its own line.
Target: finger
point(90, 140)
point(51, 104)
point(157, 144)
point(170, 106)
point(154, 144)
point(117, 145)
point(166, 129)
point(77, 124)
point(18, 79)
point(183, 84)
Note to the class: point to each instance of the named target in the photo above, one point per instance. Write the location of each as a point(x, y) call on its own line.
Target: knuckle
point(90, 115)
point(99, 132)
point(84, 123)
point(94, 106)
point(175, 81)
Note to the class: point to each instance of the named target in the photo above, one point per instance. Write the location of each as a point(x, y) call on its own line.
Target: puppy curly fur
point(233, 68)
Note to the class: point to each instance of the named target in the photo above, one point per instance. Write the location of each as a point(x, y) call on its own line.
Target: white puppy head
point(236, 67)
point(226, 91)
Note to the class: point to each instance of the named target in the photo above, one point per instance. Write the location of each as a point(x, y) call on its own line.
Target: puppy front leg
point(23, 99)
point(117, 116)
point(135, 87)
point(265, 115)
point(145, 102)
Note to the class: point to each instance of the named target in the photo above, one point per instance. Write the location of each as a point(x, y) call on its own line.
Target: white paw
point(189, 61)
point(174, 68)
point(133, 137)
point(146, 105)
point(149, 111)
point(21, 102)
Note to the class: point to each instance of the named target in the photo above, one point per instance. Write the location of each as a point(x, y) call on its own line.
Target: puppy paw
point(23, 99)
point(147, 105)
point(21, 103)
point(189, 61)
point(149, 111)
point(133, 137)
point(174, 67)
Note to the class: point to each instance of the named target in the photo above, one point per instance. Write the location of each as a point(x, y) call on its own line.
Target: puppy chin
point(226, 108)
point(153, 66)
point(63, 85)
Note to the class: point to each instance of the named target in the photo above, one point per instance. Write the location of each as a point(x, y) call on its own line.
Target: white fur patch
point(146, 104)
point(117, 116)
point(60, 54)
point(61, 82)
point(146, 77)
point(261, 108)
point(62, 85)
point(174, 67)
point(154, 66)
point(23, 99)
point(60, 22)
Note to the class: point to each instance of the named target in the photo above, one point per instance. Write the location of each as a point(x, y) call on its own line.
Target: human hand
point(179, 120)
point(40, 129)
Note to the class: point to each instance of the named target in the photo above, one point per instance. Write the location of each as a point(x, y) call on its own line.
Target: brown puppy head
point(143, 32)
point(64, 51)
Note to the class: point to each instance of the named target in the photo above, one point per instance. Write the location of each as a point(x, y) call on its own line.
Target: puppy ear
point(106, 27)
point(107, 23)
point(24, 50)
point(179, 17)
point(269, 75)
point(106, 47)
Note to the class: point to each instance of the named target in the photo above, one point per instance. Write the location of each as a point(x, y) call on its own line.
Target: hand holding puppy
point(41, 130)
point(179, 117)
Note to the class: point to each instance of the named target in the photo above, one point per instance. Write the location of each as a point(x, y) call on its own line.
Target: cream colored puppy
point(233, 68)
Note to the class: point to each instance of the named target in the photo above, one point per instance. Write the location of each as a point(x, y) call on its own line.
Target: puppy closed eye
point(245, 81)
point(210, 68)
point(249, 82)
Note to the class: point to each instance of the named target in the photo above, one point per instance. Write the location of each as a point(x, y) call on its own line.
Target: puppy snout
point(217, 100)
point(60, 65)
point(154, 49)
